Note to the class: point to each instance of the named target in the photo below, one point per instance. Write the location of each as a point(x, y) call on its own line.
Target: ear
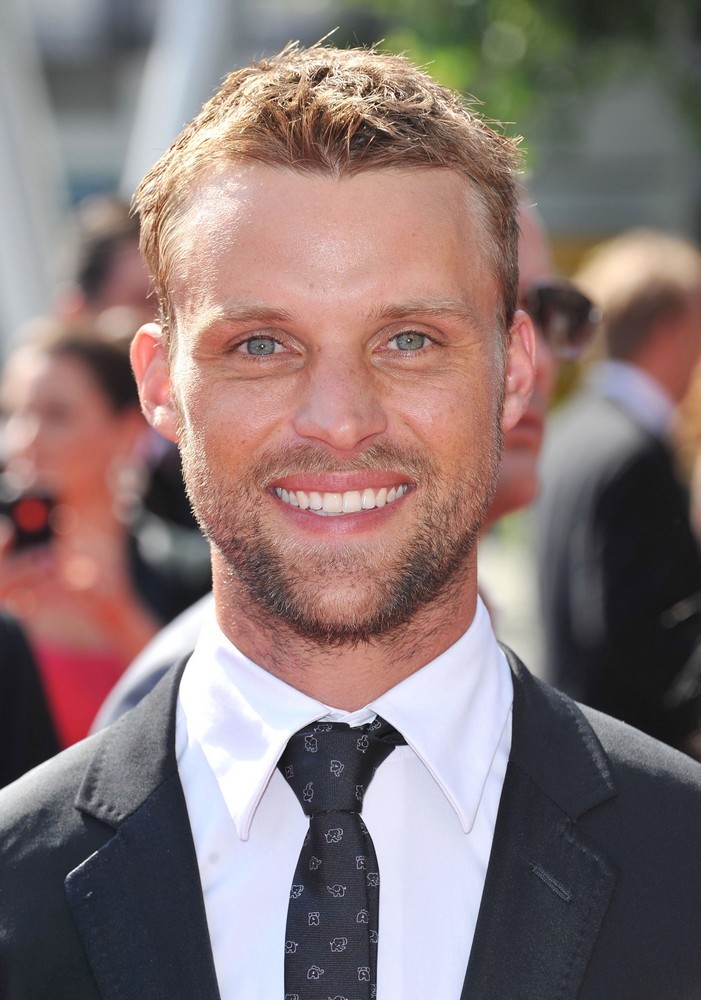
point(520, 370)
point(149, 359)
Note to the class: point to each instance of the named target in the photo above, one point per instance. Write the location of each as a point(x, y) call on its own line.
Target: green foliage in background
point(518, 56)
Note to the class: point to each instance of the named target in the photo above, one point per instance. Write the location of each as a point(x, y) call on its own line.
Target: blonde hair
point(338, 112)
point(639, 279)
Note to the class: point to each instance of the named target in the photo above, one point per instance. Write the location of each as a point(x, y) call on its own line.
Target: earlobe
point(149, 359)
point(520, 370)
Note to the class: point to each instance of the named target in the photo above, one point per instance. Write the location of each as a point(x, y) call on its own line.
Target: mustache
point(304, 458)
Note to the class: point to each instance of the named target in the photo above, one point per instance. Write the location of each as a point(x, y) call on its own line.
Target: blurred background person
point(687, 434)
point(110, 282)
point(27, 733)
point(108, 271)
point(616, 553)
point(102, 577)
point(565, 320)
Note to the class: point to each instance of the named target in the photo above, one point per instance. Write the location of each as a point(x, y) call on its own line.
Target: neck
point(348, 675)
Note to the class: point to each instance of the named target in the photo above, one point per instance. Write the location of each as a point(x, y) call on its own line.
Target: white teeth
point(352, 502)
point(334, 504)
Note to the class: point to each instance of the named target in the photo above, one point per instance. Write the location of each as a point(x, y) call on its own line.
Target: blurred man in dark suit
point(617, 559)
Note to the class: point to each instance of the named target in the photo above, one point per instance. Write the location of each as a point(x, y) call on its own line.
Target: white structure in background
point(194, 44)
point(33, 195)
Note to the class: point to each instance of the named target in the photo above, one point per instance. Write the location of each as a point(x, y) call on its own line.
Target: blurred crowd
point(99, 550)
point(98, 547)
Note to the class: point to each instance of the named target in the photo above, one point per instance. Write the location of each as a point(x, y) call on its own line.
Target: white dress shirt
point(431, 809)
point(637, 392)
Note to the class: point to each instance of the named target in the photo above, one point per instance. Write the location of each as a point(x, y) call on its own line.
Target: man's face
point(337, 348)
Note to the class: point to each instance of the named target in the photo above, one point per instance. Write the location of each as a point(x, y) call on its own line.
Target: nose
point(341, 403)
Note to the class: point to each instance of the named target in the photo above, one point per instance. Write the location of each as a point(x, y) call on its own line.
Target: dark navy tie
point(332, 919)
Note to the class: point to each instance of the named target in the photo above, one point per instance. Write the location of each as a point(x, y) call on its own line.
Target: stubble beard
point(347, 594)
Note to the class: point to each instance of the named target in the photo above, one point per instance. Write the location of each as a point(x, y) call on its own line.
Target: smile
point(336, 504)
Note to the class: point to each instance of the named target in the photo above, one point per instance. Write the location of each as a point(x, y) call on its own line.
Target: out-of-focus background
point(605, 93)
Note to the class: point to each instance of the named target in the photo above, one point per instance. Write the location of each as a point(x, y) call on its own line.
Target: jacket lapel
point(137, 901)
point(548, 885)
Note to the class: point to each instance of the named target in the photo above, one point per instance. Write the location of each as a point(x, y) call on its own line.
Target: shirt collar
point(452, 713)
point(637, 392)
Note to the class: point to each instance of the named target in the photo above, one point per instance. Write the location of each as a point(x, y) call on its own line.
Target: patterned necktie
point(331, 936)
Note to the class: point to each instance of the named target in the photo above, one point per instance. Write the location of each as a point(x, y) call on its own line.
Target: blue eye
point(410, 341)
point(260, 346)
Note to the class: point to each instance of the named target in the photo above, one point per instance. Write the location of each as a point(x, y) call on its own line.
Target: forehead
point(317, 227)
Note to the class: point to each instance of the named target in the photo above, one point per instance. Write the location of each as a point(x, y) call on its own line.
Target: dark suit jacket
point(593, 888)
point(619, 570)
point(27, 734)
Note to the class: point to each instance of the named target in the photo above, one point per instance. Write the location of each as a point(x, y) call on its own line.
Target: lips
point(339, 503)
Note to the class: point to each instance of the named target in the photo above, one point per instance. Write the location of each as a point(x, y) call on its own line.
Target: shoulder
point(587, 759)
point(591, 434)
point(103, 779)
point(38, 809)
point(43, 837)
point(60, 814)
point(643, 767)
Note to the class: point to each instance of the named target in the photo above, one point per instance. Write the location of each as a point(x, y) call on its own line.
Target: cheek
point(457, 422)
point(68, 440)
point(230, 423)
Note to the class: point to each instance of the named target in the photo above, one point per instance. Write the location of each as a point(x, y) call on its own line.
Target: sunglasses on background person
point(566, 317)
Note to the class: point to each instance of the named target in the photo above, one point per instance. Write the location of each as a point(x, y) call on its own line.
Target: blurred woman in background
point(89, 576)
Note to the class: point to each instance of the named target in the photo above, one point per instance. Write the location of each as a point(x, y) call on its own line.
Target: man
point(334, 243)
point(563, 320)
point(617, 558)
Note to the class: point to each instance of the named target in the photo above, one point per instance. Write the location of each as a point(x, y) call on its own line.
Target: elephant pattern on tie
point(332, 921)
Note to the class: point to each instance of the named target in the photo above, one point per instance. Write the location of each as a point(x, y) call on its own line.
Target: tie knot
point(329, 765)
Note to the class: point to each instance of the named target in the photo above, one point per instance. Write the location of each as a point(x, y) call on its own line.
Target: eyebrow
point(252, 312)
point(249, 312)
point(425, 307)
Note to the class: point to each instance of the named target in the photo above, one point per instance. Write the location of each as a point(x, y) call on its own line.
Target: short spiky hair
point(337, 112)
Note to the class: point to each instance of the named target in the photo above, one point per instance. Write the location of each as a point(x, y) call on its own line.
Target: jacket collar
point(137, 902)
point(548, 884)
point(138, 905)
